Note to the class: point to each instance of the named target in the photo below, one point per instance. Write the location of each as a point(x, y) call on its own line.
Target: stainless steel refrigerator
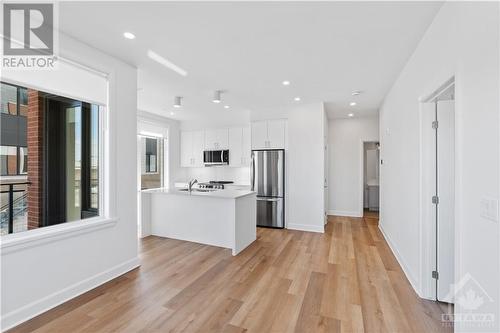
point(268, 180)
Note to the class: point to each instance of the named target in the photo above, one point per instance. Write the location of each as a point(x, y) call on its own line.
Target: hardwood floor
point(345, 280)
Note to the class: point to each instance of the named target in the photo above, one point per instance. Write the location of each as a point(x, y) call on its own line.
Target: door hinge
point(435, 124)
point(435, 200)
point(435, 275)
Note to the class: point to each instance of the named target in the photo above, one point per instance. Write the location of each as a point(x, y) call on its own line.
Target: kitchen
point(231, 180)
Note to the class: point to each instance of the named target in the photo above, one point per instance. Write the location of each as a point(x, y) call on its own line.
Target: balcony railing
point(14, 207)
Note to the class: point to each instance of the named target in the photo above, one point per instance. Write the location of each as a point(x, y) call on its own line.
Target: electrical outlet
point(489, 208)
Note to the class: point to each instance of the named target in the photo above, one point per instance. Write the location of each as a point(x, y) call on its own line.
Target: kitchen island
point(225, 218)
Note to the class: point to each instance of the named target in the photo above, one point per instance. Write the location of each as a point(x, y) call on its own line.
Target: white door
point(246, 146)
point(198, 147)
point(186, 149)
point(276, 133)
point(235, 146)
point(259, 135)
point(445, 146)
point(222, 138)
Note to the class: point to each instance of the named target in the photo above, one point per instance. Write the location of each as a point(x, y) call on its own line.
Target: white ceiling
point(325, 49)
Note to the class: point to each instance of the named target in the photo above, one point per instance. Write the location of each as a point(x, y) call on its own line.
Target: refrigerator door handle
point(268, 199)
point(252, 175)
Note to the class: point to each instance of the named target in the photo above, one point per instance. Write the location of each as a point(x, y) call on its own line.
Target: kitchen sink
point(197, 190)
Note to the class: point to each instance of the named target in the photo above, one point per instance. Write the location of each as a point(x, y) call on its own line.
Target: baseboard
point(307, 227)
point(33, 309)
point(400, 260)
point(344, 213)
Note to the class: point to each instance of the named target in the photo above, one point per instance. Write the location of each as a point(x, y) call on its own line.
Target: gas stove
point(215, 184)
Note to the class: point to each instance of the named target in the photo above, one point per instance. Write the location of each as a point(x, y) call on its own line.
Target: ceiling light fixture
point(217, 98)
point(352, 104)
point(128, 35)
point(172, 113)
point(226, 106)
point(286, 83)
point(356, 93)
point(177, 101)
point(351, 115)
point(165, 62)
point(297, 99)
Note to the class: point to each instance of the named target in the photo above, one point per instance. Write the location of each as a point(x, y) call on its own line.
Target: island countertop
point(225, 193)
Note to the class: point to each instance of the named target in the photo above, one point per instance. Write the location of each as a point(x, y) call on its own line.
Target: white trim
point(399, 258)
point(20, 241)
point(306, 227)
point(361, 179)
point(344, 213)
point(37, 307)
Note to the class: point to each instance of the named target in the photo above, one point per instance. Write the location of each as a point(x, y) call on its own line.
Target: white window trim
point(23, 240)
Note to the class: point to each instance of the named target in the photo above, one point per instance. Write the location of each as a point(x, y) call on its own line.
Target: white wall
point(346, 138)
point(304, 164)
point(463, 41)
point(47, 266)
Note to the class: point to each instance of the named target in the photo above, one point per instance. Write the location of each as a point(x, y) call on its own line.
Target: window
point(9, 99)
point(151, 162)
point(65, 182)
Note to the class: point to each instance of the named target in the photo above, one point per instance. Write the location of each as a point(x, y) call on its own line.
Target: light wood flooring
point(345, 280)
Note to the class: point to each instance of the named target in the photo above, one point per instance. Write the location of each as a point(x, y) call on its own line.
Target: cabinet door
point(210, 139)
point(198, 147)
point(235, 146)
point(276, 133)
point(259, 135)
point(222, 136)
point(246, 146)
point(186, 148)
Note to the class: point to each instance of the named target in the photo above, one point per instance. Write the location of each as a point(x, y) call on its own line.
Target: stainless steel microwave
point(216, 157)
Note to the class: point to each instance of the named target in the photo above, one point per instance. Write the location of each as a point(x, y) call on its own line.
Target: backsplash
point(240, 176)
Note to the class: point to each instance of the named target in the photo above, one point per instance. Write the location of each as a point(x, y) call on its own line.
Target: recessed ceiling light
point(286, 83)
point(352, 104)
point(177, 102)
point(165, 62)
point(351, 114)
point(356, 93)
point(297, 99)
point(128, 35)
point(226, 106)
point(217, 98)
point(172, 113)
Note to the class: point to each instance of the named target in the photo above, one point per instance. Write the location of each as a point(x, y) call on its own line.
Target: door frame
point(427, 254)
point(361, 177)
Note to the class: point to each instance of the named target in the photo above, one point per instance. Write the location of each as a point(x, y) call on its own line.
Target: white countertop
point(225, 194)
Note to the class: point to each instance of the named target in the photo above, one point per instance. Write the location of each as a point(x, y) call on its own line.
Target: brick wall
point(35, 158)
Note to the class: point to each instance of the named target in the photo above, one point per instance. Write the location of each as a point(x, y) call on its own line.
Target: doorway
point(438, 195)
point(371, 172)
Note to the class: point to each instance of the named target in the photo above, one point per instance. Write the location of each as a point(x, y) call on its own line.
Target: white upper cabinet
point(276, 133)
point(269, 134)
point(192, 145)
point(239, 146)
point(186, 149)
point(247, 146)
point(259, 135)
point(216, 139)
point(198, 144)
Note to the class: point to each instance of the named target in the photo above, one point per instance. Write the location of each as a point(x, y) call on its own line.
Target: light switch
point(489, 208)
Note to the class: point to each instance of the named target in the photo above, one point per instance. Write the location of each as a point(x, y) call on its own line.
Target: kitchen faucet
point(191, 183)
